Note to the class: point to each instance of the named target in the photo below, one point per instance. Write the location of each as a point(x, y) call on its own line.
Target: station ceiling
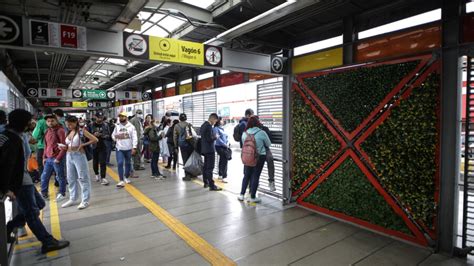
point(196, 21)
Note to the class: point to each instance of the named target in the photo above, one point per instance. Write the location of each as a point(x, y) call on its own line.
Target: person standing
point(53, 156)
point(257, 142)
point(109, 143)
point(77, 166)
point(146, 142)
point(222, 144)
point(154, 137)
point(163, 130)
point(38, 134)
point(17, 185)
point(173, 152)
point(99, 151)
point(269, 157)
point(136, 121)
point(243, 124)
point(182, 138)
point(125, 136)
point(208, 149)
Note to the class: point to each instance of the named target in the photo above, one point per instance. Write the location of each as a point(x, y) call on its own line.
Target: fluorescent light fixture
point(470, 7)
point(307, 48)
point(423, 18)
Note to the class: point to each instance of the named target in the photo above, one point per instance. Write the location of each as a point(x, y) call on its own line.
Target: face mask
point(140, 115)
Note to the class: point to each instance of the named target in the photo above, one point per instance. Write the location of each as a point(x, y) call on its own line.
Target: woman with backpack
point(173, 152)
point(151, 133)
point(222, 146)
point(255, 142)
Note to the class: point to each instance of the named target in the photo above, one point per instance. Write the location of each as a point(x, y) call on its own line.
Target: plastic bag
point(194, 164)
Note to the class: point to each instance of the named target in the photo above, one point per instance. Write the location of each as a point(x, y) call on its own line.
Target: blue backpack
point(182, 141)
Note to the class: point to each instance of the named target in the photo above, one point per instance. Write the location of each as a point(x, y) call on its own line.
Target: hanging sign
point(52, 34)
point(173, 50)
point(79, 104)
point(10, 30)
point(135, 45)
point(49, 93)
point(213, 56)
point(93, 94)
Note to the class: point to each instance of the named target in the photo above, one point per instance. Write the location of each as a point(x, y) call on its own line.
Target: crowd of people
point(63, 146)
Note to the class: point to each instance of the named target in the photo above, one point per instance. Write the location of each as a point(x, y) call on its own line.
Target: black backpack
point(237, 135)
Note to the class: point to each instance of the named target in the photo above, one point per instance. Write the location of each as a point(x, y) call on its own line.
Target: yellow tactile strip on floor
point(201, 246)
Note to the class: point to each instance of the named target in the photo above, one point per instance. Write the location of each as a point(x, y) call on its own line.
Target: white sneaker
point(271, 185)
point(128, 181)
point(97, 178)
point(220, 178)
point(160, 177)
point(83, 205)
point(104, 182)
point(241, 197)
point(120, 184)
point(60, 197)
point(224, 180)
point(69, 203)
point(255, 200)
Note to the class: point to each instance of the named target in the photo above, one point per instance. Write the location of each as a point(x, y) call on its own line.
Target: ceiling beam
point(112, 67)
point(192, 12)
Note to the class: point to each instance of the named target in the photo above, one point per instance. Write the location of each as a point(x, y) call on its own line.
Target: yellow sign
point(316, 61)
point(172, 50)
point(187, 88)
point(79, 104)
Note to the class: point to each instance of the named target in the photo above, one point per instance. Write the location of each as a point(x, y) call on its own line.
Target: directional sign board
point(11, 30)
point(52, 93)
point(92, 94)
point(52, 34)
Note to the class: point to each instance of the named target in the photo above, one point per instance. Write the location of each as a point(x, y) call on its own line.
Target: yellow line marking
point(27, 245)
point(54, 216)
point(201, 246)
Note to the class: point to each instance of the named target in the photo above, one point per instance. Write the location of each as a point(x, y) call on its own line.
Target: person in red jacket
point(53, 157)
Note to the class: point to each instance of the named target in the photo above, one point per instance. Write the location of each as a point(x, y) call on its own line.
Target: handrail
point(6, 251)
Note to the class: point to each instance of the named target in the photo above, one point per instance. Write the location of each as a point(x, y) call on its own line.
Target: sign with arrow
point(10, 30)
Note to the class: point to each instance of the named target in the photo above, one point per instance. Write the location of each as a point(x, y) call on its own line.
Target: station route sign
point(65, 104)
point(57, 35)
point(50, 93)
point(93, 94)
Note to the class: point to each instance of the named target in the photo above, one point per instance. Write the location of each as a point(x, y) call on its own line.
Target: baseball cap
point(123, 114)
point(99, 114)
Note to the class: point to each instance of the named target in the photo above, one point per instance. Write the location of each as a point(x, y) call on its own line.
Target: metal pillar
point(194, 79)
point(349, 37)
point(450, 127)
point(286, 149)
point(216, 79)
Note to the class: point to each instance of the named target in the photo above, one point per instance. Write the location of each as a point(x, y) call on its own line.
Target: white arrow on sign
point(6, 29)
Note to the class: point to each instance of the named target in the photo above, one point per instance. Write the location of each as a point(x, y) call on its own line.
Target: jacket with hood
point(261, 138)
point(125, 136)
point(177, 131)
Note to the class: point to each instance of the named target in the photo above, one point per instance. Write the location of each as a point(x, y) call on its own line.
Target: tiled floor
point(119, 230)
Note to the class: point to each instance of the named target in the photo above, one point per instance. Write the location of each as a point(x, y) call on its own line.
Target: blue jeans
point(252, 176)
point(78, 172)
point(49, 166)
point(155, 171)
point(124, 157)
point(29, 206)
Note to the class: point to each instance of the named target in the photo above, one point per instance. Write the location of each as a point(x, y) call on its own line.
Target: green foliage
point(403, 150)
point(352, 95)
point(313, 143)
point(347, 190)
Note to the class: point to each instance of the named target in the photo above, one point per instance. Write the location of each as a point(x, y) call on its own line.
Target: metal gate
point(468, 187)
point(270, 112)
point(160, 109)
point(198, 107)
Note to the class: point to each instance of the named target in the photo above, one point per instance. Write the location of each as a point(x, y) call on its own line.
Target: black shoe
point(206, 185)
point(174, 168)
point(168, 167)
point(45, 196)
point(187, 178)
point(139, 168)
point(215, 189)
point(54, 245)
point(56, 183)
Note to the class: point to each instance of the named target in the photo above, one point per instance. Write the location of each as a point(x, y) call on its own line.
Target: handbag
point(87, 149)
point(228, 153)
point(32, 164)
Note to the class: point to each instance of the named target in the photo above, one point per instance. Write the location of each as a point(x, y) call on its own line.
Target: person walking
point(171, 148)
point(154, 137)
point(254, 141)
point(136, 121)
point(222, 145)
point(182, 138)
point(101, 131)
point(208, 150)
point(17, 184)
point(125, 136)
point(77, 166)
point(53, 156)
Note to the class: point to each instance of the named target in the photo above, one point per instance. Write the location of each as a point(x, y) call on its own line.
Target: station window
point(206, 76)
point(307, 48)
point(171, 85)
point(423, 18)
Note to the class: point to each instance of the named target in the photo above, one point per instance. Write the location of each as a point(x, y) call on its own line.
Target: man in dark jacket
point(17, 184)
point(243, 124)
point(99, 156)
point(208, 149)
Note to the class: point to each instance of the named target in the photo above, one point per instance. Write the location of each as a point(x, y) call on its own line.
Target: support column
point(194, 79)
point(216, 79)
point(349, 37)
point(286, 148)
point(450, 127)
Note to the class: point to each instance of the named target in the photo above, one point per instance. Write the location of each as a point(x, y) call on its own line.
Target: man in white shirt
point(125, 136)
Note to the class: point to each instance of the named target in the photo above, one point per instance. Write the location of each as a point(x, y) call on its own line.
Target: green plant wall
point(403, 150)
point(347, 190)
point(313, 143)
point(353, 94)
